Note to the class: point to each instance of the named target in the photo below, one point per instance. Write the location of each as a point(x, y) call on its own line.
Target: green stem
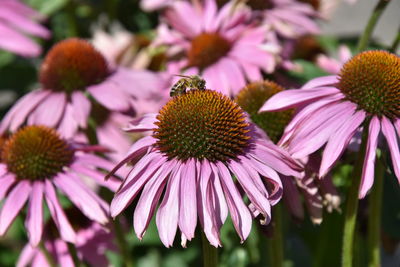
point(396, 42)
point(210, 253)
point(71, 18)
point(72, 251)
point(276, 242)
point(365, 37)
point(352, 205)
point(122, 243)
point(47, 255)
point(374, 219)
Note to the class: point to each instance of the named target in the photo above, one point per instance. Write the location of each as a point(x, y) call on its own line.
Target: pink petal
point(150, 197)
point(17, 115)
point(391, 138)
point(145, 123)
point(184, 18)
point(79, 194)
point(240, 214)
point(139, 176)
point(293, 98)
point(16, 42)
point(187, 199)
point(168, 212)
point(13, 204)
point(89, 173)
point(207, 212)
point(34, 220)
point(259, 200)
point(110, 95)
point(57, 213)
point(50, 111)
point(321, 81)
point(81, 108)
point(68, 125)
point(7, 181)
point(137, 149)
point(367, 178)
point(339, 141)
point(23, 23)
point(26, 256)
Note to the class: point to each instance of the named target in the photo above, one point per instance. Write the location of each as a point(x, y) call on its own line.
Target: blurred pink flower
point(71, 70)
point(92, 241)
point(333, 65)
point(289, 18)
point(16, 20)
point(364, 93)
point(35, 161)
point(199, 141)
point(316, 193)
point(220, 45)
point(151, 5)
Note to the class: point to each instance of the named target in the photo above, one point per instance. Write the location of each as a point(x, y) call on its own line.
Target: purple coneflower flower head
point(92, 241)
point(335, 107)
point(333, 65)
point(199, 140)
point(16, 21)
point(289, 18)
point(72, 69)
point(35, 162)
point(316, 193)
point(219, 45)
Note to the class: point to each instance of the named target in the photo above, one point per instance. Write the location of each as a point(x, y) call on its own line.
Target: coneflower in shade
point(220, 45)
point(35, 162)
point(71, 70)
point(16, 21)
point(334, 107)
point(289, 18)
point(92, 241)
point(199, 141)
point(317, 193)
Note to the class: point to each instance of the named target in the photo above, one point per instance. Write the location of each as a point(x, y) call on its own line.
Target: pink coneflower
point(335, 107)
point(333, 65)
point(316, 193)
point(71, 70)
point(35, 161)
point(220, 45)
point(289, 18)
point(199, 140)
point(16, 20)
point(92, 241)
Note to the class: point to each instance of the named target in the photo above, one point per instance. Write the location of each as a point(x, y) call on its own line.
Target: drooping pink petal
point(23, 24)
point(292, 98)
point(68, 125)
point(26, 256)
point(21, 109)
point(134, 183)
point(78, 194)
point(187, 200)
point(205, 206)
point(391, 138)
point(81, 108)
point(259, 200)
point(367, 178)
point(50, 111)
point(240, 214)
point(339, 141)
point(7, 181)
point(168, 212)
point(144, 123)
point(111, 183)
point(14, 41)
point(13, 204)
point(64, 227)
point(291, 198)
point(136, 150)
point(110, 95)
point(150, 197)
point(34, 220)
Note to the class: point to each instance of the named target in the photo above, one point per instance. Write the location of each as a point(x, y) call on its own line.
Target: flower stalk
point(352, 205)
point(276, 246)
point(210, 253)
point(47, 255)
point(122, 243)
point(376, 14)
point(374, 219)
